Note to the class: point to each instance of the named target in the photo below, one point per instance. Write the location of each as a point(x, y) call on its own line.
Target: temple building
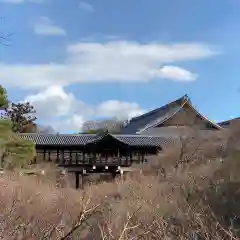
point(142, 136)
point(165, 120)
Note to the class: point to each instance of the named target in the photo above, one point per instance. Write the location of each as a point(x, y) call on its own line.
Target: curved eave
point(180, 107)
point(203, 117)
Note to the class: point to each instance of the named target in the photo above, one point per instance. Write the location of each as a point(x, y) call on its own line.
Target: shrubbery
point(15, 152)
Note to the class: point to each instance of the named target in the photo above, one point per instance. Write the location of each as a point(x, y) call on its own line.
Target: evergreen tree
point(14, 151)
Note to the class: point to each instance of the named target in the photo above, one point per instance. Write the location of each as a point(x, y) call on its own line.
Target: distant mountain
point(45, 129)
point(112, 125)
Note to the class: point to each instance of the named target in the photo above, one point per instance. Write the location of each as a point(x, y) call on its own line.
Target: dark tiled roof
point(83, 139)
point(134, 140)
point(155, 116)
point(158, 116)
point(58, 139)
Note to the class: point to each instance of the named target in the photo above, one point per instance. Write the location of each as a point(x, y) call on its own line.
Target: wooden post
point(119, 157)
point(76, 158)
point(130, 153)
point(49, 155)
point(114, 174)
point(142, 157)
point(126, 152)
point(83, 156)
point(70, 156)
point(63, 157)
point(44, 154)
point(139, 159)
point(77, 180)
point(106, 157)
point(58, 160)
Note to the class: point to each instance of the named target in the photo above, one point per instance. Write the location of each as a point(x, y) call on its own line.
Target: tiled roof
point(83, 139)
point(155, 116)
point(158, 116)
point(58, 139)
point(134, 140)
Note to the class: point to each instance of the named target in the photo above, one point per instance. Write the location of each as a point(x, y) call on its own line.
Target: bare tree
point(5, 37)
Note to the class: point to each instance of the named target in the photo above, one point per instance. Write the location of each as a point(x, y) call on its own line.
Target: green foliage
point(3, 98)
point(5, 128)
point(15, 152)
point(21, 115)
point(20, 153)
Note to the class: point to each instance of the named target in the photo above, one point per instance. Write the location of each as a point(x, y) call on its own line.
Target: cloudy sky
point(81, 60)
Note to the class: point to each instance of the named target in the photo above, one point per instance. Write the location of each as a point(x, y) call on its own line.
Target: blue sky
point(80, 60)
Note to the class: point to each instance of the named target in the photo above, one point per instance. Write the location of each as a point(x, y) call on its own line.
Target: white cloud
point(85, 6)
point(54, 103)
point(176, 73)
point(46, 27)
point(119, 109)
point(114, 61)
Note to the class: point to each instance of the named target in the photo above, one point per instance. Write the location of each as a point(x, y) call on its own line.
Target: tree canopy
point(22, 117)
point(15, 152)
point(3, 98)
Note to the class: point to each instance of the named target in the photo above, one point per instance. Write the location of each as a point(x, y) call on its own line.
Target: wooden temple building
point(142, 136)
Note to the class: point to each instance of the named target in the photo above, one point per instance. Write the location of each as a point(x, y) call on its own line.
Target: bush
point(20, 153)
point(15, 151)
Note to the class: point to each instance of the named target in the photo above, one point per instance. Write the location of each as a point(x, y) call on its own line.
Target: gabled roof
point(158, 116)
point(84, 139)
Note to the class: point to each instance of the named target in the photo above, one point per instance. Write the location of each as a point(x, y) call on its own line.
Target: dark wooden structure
point(90, 153)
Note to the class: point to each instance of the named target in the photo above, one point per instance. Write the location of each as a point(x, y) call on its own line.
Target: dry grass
point(197, 200)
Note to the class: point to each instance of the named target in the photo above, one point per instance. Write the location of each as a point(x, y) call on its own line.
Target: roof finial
point(186, 98)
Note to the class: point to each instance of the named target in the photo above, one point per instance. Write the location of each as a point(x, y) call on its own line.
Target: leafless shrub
point(198, 200)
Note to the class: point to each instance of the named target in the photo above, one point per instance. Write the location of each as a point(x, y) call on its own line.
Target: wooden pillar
point(114, 174)
point(142, 157)
point(70, 156)
point(83, 156)
point(130, 154)
point(76, 158)
point(79, 180)
point(44, 154)
point(139, 157)
point(126, 152)
point(49, 155)
point(63, 157)
point(106, 157)
point(119, 157)
point(58, 159)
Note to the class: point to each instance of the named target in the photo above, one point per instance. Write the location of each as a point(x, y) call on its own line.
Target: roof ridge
point(157, 109)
